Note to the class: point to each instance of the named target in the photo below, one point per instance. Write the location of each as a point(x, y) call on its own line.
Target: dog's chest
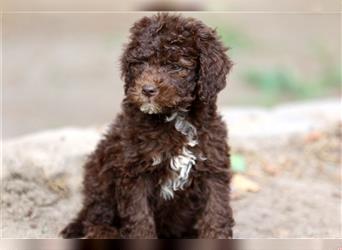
point(178, 170)
point(178, 165)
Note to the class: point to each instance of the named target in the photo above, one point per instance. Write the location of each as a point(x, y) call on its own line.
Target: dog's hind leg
point(216, 221)
point(74, 229)
point(97, 218)
point(136, 216)
point(93, 221)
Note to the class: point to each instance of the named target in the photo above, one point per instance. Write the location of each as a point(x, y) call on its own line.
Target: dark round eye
point(137, 63)
point(176, 68)
point(136, 67)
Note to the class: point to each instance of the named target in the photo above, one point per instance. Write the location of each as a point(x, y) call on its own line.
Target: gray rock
point(42, 174)
point(283, 120)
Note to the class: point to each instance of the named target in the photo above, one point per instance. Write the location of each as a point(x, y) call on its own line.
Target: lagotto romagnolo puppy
point(162, 170)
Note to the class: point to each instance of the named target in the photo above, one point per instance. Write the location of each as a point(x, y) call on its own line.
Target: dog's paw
point(73, 230)
point(102, 232)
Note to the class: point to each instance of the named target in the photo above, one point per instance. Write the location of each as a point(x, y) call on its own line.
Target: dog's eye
point(176, 68)
point(137, 63)
point(137, 66)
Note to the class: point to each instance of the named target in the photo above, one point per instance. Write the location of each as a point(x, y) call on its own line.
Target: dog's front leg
point(136, 218)
point(216, 220)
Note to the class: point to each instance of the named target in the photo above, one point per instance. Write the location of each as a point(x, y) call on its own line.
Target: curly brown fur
point(184, 66)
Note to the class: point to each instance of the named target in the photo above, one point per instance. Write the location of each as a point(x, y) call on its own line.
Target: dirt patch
point(299, 187)
point(297, 178)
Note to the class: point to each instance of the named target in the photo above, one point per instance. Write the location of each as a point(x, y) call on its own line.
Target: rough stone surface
point(41, 175)
point(283, 120)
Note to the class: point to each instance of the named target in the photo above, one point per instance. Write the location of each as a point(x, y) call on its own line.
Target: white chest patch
point(181, 164)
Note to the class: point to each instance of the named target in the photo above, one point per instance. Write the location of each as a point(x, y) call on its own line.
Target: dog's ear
point(126, 73)
point(128, 57)
point(214, 65)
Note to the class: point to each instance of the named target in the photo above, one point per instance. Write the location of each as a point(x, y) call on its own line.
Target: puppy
point(163, 169)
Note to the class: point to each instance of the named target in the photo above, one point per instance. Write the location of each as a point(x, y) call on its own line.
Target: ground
point(286, 162)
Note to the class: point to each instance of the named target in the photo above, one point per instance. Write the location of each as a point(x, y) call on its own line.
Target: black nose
point(149, 90)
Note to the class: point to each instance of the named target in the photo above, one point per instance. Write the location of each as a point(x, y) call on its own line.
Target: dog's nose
point(149, 90)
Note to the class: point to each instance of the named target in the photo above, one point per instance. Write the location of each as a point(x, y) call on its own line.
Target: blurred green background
point(283, 81)
point(62, 69)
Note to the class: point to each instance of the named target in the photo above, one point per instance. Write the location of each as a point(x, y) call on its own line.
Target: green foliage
point(235, 38)
point(281, 83)
point(238, 163)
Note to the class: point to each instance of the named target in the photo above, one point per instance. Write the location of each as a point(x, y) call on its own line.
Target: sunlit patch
point(150, 108)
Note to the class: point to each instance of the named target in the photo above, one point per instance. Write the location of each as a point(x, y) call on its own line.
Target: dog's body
point(162, 170)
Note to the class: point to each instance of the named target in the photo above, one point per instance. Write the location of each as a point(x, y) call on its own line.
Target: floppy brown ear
point(126, 74)
point(214, 65)
point(128, 56)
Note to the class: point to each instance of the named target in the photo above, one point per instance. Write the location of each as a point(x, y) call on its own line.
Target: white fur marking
point(181, 164)
point(187, 129)
point(156, 160)
point(171, 117)
point(150, 108)
point(166, 190)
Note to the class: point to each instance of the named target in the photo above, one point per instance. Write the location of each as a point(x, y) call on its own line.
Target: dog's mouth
point(150, 108)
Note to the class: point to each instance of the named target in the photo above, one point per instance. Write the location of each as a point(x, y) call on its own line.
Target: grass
point(237, 40)
point(281, 83)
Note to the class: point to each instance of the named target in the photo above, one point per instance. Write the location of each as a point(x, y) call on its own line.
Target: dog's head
point(171, 61)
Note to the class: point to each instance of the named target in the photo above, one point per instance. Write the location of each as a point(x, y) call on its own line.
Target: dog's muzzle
point(150, 108)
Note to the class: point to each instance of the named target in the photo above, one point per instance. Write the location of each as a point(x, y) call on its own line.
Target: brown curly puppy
point(162, 170)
